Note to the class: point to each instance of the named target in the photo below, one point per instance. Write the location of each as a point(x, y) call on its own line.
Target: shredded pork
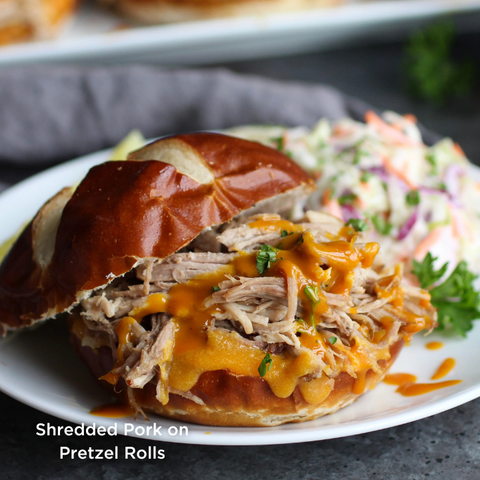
point(265, 311)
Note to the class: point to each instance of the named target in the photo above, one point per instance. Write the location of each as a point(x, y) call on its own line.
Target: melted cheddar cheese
point(322, 266)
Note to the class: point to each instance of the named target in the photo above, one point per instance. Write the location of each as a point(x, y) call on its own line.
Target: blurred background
point(416, 56)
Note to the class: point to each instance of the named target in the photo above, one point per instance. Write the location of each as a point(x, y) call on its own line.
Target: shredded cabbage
point(416, 198)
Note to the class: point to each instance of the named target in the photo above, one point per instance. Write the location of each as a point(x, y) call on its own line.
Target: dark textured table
point(445, 446)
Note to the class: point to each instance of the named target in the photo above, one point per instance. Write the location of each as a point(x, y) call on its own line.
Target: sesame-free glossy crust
point(124, 213)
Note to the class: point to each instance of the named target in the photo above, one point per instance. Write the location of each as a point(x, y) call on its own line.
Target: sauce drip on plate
point(444, 369)
point(113, 410)
point(408, 387)
point(399, 379)
point(413, 389)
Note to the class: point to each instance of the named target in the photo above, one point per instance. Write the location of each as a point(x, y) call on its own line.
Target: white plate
point(96, 34)
point(39, 367)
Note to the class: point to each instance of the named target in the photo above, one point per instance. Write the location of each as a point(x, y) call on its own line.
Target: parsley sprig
point(425, 272)
point(457, 301)
point(265, 257)
point(430, 72)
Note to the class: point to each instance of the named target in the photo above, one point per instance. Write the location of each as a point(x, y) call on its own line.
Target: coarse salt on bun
point(192, 295)
point(163, 11)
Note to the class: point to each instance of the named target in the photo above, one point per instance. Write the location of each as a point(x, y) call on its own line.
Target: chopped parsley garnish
point(279, 143)
point(313, 295)
point(357, 152)
point(333, 340)
point(430, 157)
point(413, 198)
point(358, 156)
point(381, 225)
point(285, 233)
point(347, 199)
point(265, 256)
point(366, 176)
point(265, 365)
point(215, 289)
point(358, 224)
point(457, 301)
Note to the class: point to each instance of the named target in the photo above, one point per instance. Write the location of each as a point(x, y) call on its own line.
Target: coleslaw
point(416, 199)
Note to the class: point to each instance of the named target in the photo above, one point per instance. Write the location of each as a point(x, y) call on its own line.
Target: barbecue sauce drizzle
point(198, 349)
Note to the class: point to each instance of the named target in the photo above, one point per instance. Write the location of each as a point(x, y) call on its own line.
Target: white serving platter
point(99, 36)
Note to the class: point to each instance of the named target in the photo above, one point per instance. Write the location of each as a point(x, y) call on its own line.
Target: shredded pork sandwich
point(199, 289)
point(294, 303)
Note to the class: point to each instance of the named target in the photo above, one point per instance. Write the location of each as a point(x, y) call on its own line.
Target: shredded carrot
point(339, 131)
point(410, 117)
point(425, 245)
point(326, 196)
point(331, 204)
point(384, 128)
point(459, 150)
point(334, 209)
point(454, 222)
point(365, 186)
point(361, 202)
point(398, 173)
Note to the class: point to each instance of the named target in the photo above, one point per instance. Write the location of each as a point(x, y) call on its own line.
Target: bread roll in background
point(24, 20)
point(165, 11)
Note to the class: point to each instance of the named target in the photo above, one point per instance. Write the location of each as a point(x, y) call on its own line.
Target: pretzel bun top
point(125, 213)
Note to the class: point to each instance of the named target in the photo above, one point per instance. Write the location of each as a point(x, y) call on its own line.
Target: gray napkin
point(48, 115)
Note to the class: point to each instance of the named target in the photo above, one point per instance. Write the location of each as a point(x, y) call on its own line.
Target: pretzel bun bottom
point(233, 400)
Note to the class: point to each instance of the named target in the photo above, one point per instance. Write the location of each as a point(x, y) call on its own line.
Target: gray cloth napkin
point(48, 115)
